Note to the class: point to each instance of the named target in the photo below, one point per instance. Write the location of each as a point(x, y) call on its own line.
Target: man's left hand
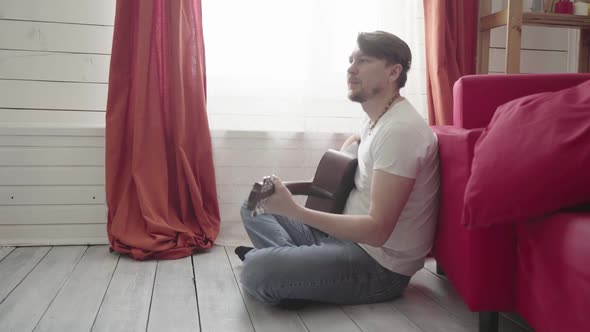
point(281, 202)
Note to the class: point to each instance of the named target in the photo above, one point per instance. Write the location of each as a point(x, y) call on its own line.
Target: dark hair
point(389, 47)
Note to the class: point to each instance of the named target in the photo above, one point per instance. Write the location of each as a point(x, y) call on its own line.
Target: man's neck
point(376, 106)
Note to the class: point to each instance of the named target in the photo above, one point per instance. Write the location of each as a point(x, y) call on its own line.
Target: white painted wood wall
point(54, 65)
point(54, 58)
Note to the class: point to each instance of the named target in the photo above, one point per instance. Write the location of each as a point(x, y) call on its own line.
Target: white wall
point(54, 58)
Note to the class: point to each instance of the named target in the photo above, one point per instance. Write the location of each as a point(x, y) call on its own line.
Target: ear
point(394, 72)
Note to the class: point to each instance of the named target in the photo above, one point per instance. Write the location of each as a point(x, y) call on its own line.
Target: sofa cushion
point(532, 159)
point(553, 274)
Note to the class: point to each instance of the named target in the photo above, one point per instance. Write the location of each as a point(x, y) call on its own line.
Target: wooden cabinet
point(514, 18)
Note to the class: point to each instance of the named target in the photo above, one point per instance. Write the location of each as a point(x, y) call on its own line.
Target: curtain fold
point(160, 180)
point(451, 51)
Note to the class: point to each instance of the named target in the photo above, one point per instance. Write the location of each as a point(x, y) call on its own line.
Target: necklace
point(373, 124)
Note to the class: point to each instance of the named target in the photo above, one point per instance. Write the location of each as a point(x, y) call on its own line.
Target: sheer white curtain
point(280, 65)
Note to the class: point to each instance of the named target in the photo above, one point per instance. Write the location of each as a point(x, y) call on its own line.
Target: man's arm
point(351, 140)
point(389, 195)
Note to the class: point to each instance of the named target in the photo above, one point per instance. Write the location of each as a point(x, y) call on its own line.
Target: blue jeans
point(294, 261)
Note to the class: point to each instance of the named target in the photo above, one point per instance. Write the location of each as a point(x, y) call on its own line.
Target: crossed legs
point(292, 261)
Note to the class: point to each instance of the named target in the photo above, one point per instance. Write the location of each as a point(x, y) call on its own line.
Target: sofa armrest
point(480, 263)
point(456, 146)
point(455, 149)
point(476, 97)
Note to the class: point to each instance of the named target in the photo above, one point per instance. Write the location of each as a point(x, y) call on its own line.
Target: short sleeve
point(398, 150)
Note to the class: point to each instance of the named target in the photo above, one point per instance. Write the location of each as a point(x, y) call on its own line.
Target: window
point(281, 65)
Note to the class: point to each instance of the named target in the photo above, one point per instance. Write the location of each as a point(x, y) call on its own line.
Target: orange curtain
point(160, 180)
point(451, 51)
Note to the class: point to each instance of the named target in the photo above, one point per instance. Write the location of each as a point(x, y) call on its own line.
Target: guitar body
point(329, 190)
point(334, 175)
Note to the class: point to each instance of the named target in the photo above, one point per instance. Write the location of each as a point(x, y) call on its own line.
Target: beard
point(361, 96)
point(357, 96)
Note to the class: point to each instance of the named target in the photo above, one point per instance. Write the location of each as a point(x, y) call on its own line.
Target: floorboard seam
point(8, 253)
point(26, 275)
point(147, 324)
point(60, 287)
point(239, 288)
point(196, 292)
point(105, 292)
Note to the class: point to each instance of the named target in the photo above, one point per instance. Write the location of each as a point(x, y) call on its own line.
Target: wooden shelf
point(514, 18)
point(556, 20)
point(540, 19)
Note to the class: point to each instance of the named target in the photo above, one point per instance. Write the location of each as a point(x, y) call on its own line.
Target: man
point(369, 253)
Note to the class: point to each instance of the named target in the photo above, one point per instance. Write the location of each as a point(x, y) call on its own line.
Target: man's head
point(381, 62)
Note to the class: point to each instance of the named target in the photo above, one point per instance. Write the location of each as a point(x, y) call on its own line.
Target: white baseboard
point(51, 235)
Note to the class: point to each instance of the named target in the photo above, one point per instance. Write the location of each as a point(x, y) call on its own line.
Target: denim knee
point(256, 276)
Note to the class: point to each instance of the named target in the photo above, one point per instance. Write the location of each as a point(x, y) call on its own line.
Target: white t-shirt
point(403, 144)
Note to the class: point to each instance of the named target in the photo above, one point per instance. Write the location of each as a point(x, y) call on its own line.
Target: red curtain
point(451, 51)
point(160, 180)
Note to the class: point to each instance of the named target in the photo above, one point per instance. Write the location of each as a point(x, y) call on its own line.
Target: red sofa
point(539, 269)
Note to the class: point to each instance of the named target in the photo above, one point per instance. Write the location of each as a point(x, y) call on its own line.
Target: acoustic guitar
point(327, 192)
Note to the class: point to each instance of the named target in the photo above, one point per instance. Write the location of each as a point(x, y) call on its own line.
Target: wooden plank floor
point(80, 288)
